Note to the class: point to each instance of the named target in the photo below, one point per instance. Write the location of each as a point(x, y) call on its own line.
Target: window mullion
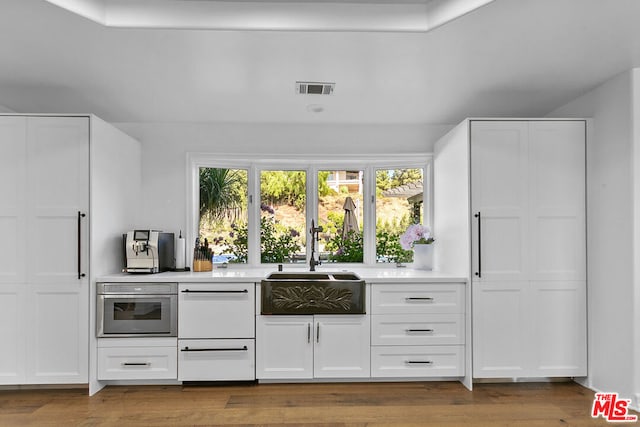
point(253, 232)
point(312, 206)
point(368, 216)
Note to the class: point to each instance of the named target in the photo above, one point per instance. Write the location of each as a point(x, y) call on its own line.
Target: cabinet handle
point(243, 348)
point(191, 291)
point(479, 272)
point(418, 362)
point(427, 331)
point(418, 299)
point(136, 364)
point(318, 332)
point(308, 333)
point(80, 273)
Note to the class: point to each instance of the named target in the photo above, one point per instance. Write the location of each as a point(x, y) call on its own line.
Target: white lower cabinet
point(529, 329)
point(216, 360)
point(216, 332)
point(284, 347)
point(417, 330)
point(137, 358)
point(320, 346)
point(417, 361)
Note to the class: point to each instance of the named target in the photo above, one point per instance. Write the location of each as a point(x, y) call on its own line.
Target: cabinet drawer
point(417, 298)
point(220, 310)
point(137, 363)
point(216, 360)
point(417, 329)
point(417, 361)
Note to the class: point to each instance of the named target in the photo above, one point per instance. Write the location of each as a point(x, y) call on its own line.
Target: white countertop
point(249, 274)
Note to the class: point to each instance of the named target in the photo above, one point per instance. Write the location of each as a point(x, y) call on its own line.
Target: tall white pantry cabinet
point(526, 229)
point(46, 318)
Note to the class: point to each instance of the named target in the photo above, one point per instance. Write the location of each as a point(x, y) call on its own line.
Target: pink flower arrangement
point(416, 234)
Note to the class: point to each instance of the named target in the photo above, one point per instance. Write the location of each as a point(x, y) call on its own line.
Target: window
point(399, 203)
point(283, 216)
point(340, 201)
point(223, 213)
point(259, 211)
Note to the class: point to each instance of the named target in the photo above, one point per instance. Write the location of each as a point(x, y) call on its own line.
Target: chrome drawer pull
point(418, 362)
point(190, 291)
point(243, 348)
point(136, 364)
point(426, 331)
point(418, 299)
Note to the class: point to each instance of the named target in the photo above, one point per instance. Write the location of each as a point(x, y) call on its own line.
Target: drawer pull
point(191, 291)
point(412, 331)
point(243, 348)
point(418, 362)
point(418, 299)
point(136, 364)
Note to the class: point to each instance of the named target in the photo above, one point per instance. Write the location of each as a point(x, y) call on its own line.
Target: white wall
point(610, 226)
point(4, 109)
point(164, 148)
point(451, 218)
point(635, 114)
point(115, 193)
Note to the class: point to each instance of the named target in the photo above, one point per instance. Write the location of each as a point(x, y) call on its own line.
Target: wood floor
point(371, 404)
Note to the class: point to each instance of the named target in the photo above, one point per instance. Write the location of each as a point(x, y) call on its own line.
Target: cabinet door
point(13, 333)
point(284, 347)
point(13, 288)
point(216, 310)
point(342, 347)
point(216, 360)
point(58, 188)
point(557, 188)
point(57, 345)
point(499, 194)
point(501, 335)
point(57, 258)
point(13, 197)
point(559, 329)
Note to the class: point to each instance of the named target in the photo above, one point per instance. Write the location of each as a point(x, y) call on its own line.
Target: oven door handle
point(243, 348)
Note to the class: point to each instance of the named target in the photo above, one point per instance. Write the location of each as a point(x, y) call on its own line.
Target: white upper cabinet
point(499, 176)
point(528, 200)
point(58, 188)
point(13, 196)
point(557, 224)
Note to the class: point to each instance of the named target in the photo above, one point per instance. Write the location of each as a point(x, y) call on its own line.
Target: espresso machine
point(148, 251)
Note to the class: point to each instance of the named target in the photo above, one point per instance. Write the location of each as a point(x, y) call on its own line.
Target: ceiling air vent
point(314, 88)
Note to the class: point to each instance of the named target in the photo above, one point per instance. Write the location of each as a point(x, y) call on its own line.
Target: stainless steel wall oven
point(137, 310)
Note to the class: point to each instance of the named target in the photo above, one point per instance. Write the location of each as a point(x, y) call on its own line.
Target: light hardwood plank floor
point(309, 405)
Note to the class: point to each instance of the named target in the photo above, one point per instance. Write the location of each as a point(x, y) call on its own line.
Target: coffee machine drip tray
point(139, 270)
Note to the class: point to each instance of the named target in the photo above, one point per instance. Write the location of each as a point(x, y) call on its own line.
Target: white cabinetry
point(137, 358)
point(44, 288)
point(528, 248)
point(417, 330)
point(216, 331)
point(319, 346)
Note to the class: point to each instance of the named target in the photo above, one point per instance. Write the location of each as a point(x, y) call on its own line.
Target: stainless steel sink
point(312, 293)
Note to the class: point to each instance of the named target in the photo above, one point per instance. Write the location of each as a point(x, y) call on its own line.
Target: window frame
point(255, 164)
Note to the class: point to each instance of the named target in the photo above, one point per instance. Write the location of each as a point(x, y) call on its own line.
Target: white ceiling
point(509, 58)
